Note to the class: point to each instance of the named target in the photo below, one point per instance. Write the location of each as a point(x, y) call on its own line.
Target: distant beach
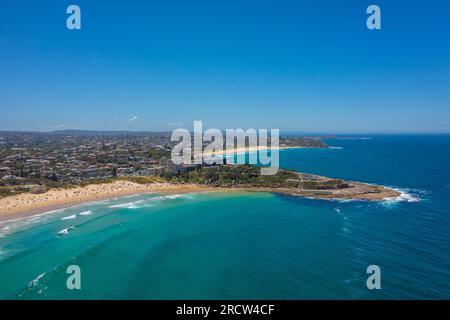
point(252, 149)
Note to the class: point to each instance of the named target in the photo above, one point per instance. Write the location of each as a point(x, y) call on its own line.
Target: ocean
point(252, 245)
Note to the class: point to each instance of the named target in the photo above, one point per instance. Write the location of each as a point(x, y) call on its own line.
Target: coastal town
point(34, 162)
point(40, 172)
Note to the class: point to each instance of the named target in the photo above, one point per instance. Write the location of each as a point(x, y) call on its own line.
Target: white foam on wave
point(335, 148)
point(337, 210)
point(73, 216)
point(4, 229)
point(35, 281)
point(85, 213)
point(66, 230)
point(404, 196)
point(149, 202)
point(168, 197)
point(173, 197)
point(127, 205)
point(346, 200)
point(30, 218)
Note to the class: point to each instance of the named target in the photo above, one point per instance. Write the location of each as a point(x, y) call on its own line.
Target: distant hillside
point(109, 133)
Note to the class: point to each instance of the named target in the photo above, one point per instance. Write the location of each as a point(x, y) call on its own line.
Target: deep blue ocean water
point(252, 245)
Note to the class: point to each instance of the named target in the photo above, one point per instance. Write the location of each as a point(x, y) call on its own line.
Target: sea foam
point(35, 281)
point(148, 202)
point(128, 205)
point(85, 213)
point(404, 196)
point(66, 230)
point(69, 217)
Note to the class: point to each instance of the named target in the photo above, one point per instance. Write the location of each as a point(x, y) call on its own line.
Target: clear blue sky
point(293, 65)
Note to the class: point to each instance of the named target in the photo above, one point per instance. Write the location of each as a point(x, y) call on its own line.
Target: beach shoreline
point(26, 204)
point(255, 149)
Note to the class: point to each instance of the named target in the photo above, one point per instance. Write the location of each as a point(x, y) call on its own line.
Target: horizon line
point(281, 132)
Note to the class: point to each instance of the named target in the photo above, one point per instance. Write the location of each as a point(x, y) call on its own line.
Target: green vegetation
point(303, 142)
point(216, 176)
point(234, 175)
point(159, 153)
point(250, 176)
point(10, 191)
point(142, 179)
point(13, 190)
point(135, 179)
point(324, 185)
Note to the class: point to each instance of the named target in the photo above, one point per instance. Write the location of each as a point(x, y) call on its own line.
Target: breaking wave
point(73, 216)
point(128, 205)
point(35, 282)
point(148, 202)
point(405, 196)
point(66, 230)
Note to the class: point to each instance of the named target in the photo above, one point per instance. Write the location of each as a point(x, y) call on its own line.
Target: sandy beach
point(27, 204)
point(248, 149)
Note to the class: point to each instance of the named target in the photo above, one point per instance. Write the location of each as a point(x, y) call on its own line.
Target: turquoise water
point(252, 245)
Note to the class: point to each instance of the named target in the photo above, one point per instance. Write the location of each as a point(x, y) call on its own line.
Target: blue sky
point(295, 65)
